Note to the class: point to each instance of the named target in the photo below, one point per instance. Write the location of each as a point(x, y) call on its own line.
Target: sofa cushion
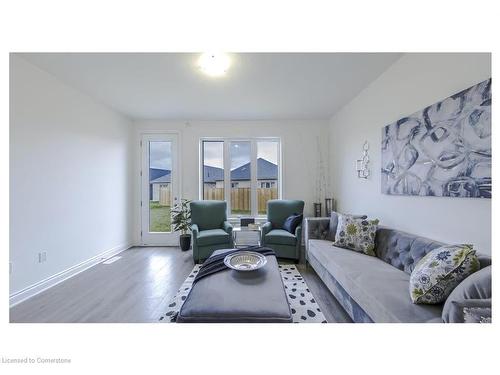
point(475, 290)
point(402, 250)
point(280, 237)
point(440, 271)
point(380, 289)
point(356, 234)
point(212, 237)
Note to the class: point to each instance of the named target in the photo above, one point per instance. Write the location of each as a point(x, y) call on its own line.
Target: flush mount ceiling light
point(214, 64)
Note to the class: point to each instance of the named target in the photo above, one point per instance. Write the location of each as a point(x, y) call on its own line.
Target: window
point(213, 170)
point(241, 177)
point(267, 172)
point(243, 172)
point(267, 185)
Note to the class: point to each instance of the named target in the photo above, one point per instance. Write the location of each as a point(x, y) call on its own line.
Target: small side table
point(244, 237)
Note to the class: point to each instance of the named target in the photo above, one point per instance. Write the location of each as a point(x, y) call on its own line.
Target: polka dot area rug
point(302, 303)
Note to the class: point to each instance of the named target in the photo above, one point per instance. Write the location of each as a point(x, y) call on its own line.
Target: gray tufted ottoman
point(238, 297)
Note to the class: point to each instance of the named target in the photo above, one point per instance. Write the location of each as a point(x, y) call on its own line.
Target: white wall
point(299, 140)
point(410, 84)
point(70, 176)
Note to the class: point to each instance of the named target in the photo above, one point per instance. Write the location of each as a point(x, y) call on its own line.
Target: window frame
point(253, 170)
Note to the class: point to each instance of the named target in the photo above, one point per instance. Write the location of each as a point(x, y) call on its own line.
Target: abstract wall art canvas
point(443, 150)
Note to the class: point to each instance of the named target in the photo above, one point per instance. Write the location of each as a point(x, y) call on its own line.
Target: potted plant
point(181, 221)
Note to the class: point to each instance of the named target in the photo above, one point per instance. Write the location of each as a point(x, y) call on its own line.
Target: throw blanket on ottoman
point(222, 295)
point(216, 262)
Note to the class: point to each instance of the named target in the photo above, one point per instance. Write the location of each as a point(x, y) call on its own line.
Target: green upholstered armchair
point(211, 230)
point(285, 244)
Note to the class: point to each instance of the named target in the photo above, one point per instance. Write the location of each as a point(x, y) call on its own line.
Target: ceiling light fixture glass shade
point(214, 64)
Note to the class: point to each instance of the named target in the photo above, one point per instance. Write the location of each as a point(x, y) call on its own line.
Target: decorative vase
point(317, 209)
point(328, 207)
point(185, 241)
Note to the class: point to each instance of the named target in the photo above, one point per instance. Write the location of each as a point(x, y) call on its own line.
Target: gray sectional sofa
point(376, 289)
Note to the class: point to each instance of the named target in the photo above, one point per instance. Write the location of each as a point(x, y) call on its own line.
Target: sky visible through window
point(160, 155)
point(240, 154)
point(213, 153)
point(268, 150)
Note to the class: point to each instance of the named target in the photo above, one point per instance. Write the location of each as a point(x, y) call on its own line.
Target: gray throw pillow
point(474, 291)
point(440, 271)
point(334, 220)
point(356, 234)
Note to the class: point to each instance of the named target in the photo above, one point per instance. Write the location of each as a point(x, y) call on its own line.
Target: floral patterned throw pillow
point(440, 271)
point(356, 233)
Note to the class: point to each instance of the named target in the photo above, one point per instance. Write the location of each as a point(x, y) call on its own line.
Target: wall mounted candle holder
point(362, 164)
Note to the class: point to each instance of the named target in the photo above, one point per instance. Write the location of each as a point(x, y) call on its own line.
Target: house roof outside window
point(265, 171)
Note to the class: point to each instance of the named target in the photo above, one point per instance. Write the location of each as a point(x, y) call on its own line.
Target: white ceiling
point(257, 85)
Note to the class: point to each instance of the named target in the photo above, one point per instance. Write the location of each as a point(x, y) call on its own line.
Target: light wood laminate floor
point(135, 289)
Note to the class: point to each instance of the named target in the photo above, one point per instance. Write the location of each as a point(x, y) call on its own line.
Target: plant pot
point(185, 241)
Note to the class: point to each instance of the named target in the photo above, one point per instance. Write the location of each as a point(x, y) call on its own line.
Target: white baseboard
point(32, 290)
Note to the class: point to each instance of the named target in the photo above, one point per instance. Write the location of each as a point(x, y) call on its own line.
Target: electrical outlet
point(42, 257)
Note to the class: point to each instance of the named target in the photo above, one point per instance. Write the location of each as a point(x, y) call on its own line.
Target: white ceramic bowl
point(245, 261)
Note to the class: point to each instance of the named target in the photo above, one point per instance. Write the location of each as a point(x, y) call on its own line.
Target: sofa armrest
point(473, 291)
point(298, 233)
point(228, 228)
point(455, 311)
point(265, 229)
point(315, 228)
point(194, 231)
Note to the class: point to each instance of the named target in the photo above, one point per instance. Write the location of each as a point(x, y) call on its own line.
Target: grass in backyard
point(159, 217)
